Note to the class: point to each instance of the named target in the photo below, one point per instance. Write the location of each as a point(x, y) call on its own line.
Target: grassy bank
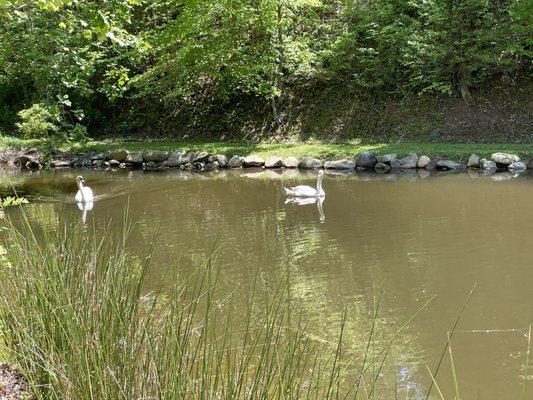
point(297, 149)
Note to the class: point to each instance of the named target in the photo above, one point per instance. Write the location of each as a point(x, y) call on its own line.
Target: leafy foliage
point(104, 62)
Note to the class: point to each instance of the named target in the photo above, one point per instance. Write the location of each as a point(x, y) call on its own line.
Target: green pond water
point(416, 234)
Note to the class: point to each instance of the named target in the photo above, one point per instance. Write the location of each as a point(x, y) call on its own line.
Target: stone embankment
point(153, 160)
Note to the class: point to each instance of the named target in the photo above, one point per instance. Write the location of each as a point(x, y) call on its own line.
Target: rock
point(273, 162)
point(340, 164)
point(222, 160)
point(530, 164)
point(155, 156)
point(188, 157)
point(366, 159)
point(33, 164)
point(488, 164)
point(517, 166)
point(449, 164)
point(98, 156)
point(175, 159)
point(504, 158)
point(120, 155)
point(423, 162)
point(409, 161)
point(122, 165)
point(212, 166)
point(201, 157)
point(309, 163)
point(25, 159)
point(291, 162)
point(114, 163)
point(60, 164)
point(153, 166)
point(395, 164)
point(135, 158)
point(87, 163)
point(187, 167)
point(252, 161)
point(235, 162)
point(473, 161)
point(387, 158)
point(381, 167)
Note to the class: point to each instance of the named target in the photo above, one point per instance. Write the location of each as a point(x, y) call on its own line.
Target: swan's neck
point(319, 184)
point(80, 185)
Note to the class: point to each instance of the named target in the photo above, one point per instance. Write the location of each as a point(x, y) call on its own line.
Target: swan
point(85, 194)
point(307, 191)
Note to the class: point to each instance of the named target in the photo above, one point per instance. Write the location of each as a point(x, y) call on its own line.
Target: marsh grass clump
point(78, 322)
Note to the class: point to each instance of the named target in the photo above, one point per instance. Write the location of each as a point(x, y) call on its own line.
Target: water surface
point(418, 235)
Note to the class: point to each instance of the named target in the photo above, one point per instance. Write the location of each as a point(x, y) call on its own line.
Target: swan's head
point(321, 172)
point(79, 179)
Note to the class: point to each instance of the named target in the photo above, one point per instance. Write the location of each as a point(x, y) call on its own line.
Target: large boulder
point(504, 158)
point(291, 162)
point(517, 166)
point(309, 163)
point(409, 161)
point(201, 157)
point(120, 155)
point(473, 161)
point(488, 164)
point(222, 160)
point(381, 167)
point(252, 161)
point(135, 158)
point(273, 162)
point(175, 159)
point(423, 162)
point(387, 158)
point(60, 164)
point(449, 165)
point(212, 166)
point(366, 159)
point(30, 162)
point(156, 156)
point(235, 162)
point(340, 164)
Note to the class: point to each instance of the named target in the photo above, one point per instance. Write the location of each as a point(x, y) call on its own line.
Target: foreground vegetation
point(78, 324)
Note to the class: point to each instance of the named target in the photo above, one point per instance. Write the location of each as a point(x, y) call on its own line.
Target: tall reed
point(77, 321)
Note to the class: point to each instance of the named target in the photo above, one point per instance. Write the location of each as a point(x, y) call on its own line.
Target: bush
point(37, 121)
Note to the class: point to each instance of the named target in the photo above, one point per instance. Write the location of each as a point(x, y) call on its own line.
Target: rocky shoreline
point(154, 160)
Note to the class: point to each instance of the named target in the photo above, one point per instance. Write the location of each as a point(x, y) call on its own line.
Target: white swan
point(85, 194)
point(307, 191)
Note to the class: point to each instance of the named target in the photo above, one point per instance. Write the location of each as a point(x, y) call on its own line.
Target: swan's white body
point(307, 191)
point(84, 194)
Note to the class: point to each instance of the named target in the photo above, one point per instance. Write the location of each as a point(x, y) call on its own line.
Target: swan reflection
point(84, 207)
point(303, 201)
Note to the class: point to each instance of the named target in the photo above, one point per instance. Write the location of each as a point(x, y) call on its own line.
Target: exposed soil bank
point(501, 113)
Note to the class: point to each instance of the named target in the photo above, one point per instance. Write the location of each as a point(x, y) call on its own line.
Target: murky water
point(416, 235)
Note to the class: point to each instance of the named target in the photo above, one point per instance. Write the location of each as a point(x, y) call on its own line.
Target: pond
point(416, 235)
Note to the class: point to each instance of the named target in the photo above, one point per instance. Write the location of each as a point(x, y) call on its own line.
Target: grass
point(320, 150)
point(78, 325)
point(77, 322)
